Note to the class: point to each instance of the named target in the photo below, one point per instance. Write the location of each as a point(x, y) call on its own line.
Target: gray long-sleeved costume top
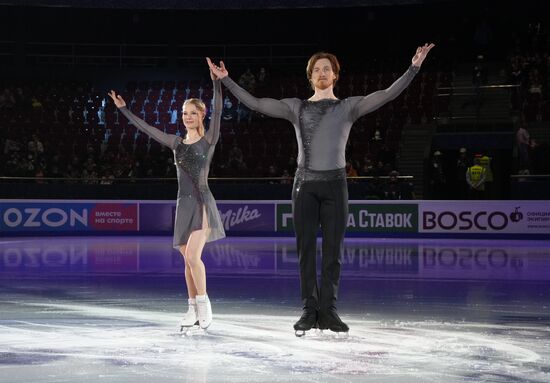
point(193, 161)
point(322, 127)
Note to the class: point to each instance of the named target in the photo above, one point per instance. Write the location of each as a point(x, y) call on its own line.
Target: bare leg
point(193, 253)
point(191, 289)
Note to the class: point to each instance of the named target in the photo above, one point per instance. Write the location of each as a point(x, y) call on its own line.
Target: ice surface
point(98, 326)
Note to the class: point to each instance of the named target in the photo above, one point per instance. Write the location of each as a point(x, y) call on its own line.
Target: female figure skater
point(320, 196)
point(197, 218)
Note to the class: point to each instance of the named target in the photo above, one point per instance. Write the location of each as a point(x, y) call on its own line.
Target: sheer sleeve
point(373, 101)
point(169, 140)
point(268, 106)
point(213, 133)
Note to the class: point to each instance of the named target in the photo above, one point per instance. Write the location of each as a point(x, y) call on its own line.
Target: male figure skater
point(320, 197)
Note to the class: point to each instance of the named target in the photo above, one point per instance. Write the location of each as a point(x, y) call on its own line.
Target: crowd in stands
point(72, 131)
point(529, 67)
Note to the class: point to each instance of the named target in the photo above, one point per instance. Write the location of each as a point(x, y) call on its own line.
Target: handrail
point(3, 178)
point(530, 176)
point(480, 87)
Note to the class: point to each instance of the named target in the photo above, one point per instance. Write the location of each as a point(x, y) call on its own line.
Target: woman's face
point(191, 116)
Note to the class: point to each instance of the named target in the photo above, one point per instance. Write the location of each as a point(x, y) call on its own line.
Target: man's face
point(322, 76)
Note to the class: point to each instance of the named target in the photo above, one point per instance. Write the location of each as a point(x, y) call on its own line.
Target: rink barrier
point(274, 217)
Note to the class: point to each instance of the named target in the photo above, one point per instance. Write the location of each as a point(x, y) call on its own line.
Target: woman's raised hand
point(119, 101)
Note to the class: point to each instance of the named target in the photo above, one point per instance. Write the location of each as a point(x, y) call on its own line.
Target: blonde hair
point(201, 107)
point(333, 63)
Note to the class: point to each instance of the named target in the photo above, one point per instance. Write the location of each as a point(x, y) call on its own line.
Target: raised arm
point(213, 133)
point(363, 105)
point(267, 106)
point(373, 101)
point(169, 140)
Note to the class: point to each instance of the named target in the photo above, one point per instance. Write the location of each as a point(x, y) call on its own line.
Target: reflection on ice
point(386, 258)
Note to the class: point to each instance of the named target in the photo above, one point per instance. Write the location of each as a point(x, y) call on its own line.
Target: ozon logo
point(37, 217)
point(465, 220)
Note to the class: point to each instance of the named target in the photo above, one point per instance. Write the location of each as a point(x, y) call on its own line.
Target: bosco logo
point(464, 220)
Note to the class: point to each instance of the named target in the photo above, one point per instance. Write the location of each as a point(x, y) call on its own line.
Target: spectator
point(516, 78)
point(7, 99)
point(485, 162)
point(437, 177)
point(479, 73)
point(286, 178)
point(248, 80)
point(350, 170)
point(386, 155)
point(35, 103)
point(536, 87)
point(55, 172)
point(272, 173)
point(462, 165)
point(236, 159)
point(379, 170)
point(108, 178)
point(262, 76)
point(396, 189)
point(258, 171)
point(227, 113)
point(262, 82)
point(290, 166)
point(475, 176)
point(11, 146)
point(523, 142)
point(35, 147)
point(39, 175)
point(367, 170)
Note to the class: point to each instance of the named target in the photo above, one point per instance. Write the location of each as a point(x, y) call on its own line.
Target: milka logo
point(243, 214)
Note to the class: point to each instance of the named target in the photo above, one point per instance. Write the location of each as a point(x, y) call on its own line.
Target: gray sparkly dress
point(193, 164)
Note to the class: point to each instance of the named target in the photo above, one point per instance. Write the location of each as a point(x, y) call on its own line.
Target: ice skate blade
point(335, 334)
point(299, 333)
point(193, 331)
point(342, 335)
point(183, 327)
point(310, 333)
